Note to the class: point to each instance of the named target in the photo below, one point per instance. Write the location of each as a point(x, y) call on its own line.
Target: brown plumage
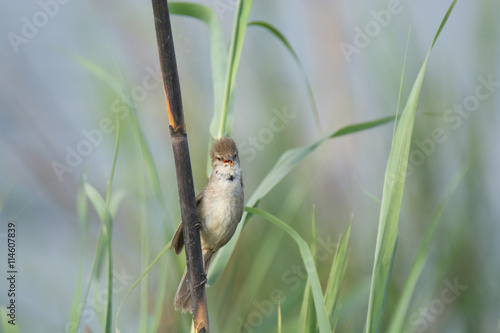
point(220, 206)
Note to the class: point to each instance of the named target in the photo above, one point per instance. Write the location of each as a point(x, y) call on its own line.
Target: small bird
point(220, 206)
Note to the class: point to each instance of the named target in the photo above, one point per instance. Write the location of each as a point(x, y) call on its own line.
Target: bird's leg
point(197, 225)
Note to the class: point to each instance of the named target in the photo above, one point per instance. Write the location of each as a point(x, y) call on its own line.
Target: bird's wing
point(178, 240)
point(199, 197)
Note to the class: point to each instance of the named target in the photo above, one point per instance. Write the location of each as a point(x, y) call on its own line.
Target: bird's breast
point(220, 212)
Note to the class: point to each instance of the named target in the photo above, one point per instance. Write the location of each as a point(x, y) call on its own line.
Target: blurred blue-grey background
point(52, 107)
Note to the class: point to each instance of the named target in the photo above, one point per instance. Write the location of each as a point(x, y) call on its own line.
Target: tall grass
point(392, 198)
point(102, 208)
point(320, 308)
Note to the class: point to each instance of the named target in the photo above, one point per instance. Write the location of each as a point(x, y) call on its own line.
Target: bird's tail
point(183, 296)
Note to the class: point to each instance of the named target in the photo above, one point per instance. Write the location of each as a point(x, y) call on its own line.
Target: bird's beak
point(229, 161)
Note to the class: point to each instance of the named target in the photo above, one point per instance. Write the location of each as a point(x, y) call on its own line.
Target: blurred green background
point(51, 104)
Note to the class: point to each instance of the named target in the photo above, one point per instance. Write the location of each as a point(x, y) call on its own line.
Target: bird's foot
point(203, 281)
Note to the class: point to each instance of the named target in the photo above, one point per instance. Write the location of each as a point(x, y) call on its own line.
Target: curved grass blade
point(337, 274)
point(89, 65)
point(82, 213)
point(103, 244)
point(218, 52)
point(285, 164)
point(307, 317)
point(398, 317)
point(117, 86)
point(401, 81)
point(265, 256)
point(307, 258)
point(224, 68)
point(144, 240)
point(443, 22)
point(391, 201)
point(149, 165)
point(162, 252)
point(370, 195)
point(305, 308)
point(102, 208)
point(218, 56)
point(288, 46)
point(99, 206)
point(147, 159)
point(240, 26)
point(146, 163)
point(109, 310)
point(292, 157)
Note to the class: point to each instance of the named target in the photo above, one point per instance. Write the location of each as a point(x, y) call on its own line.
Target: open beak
point(229, 162)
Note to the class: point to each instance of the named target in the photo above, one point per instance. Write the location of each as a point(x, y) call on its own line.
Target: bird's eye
point(219, 158)
point(235, 155)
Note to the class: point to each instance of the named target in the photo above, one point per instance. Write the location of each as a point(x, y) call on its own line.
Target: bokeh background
point(49, 101)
